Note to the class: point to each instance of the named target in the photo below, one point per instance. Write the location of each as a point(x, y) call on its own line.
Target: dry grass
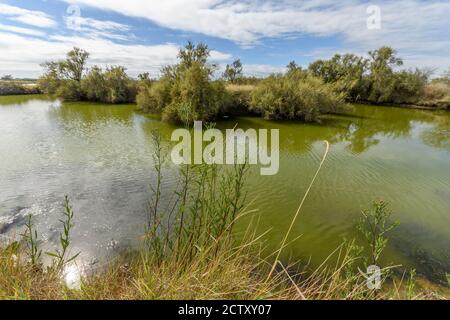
point(437, 93)
point(240, 88)
point(234, 273)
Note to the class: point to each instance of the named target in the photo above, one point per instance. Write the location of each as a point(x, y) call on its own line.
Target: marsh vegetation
point(190, 90)
point(204, 243)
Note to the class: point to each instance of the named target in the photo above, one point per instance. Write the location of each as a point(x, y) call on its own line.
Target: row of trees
point(188, 91)
point(71, 80)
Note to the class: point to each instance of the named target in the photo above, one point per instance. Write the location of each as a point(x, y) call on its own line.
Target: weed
point(60, 255)
point(30, 237)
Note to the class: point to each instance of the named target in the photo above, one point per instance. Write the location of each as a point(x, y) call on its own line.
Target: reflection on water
point(101, 157)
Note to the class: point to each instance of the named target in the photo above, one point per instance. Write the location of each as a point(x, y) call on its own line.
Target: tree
point(144, 76)
point(346, 71)
point(185, 91)
point(233, 72)
point(382, 63)
point(94, 85)
point(50, 81)
point(62, 73)
point(69, 80)
point(75, 64)
point(193, 53)
point(292, 67)
point(7, 77)
point(117, 83)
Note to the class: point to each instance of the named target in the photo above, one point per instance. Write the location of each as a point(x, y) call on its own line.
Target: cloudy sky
point(144, 35)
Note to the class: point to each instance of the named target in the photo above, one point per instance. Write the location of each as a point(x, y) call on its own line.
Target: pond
point(101, 156)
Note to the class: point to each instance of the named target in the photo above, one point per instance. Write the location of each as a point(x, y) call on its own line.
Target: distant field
point(14, 87)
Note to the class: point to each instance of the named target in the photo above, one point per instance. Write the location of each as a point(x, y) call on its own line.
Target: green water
point(101, 157)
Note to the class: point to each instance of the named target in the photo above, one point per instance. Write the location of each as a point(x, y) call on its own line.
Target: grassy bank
point(190, 250)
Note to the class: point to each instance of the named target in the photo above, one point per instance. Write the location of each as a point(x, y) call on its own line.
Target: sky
point(144, 35)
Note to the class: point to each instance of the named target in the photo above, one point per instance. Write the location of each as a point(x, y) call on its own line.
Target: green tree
point(186, 92)
point(347, 72)
point(382, 77)
point(74, 66)
point(7, 77)
point(193, 53)
point(292, 67)
point(118, 84)
point(94, 85)
point(63, 78)
point(233, 72)
point(144, 76)
point(50, 81)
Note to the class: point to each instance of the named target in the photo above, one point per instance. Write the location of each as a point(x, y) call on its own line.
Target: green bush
point(94, 85)
point(409, 86)
point(117, 82)
point(70, 90)
point(240, 98)
point(374, 80)
point(154, 97)
point(295, 97)
point(186, 91)
point(195, 97)
point(69, 79)
point(346, 72)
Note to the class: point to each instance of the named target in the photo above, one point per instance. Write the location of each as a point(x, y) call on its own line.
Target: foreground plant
point(60, 255)
point(374, 225)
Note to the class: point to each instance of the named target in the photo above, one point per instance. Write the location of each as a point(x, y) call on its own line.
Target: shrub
point(290, 97)
point(117, 83)
point(240, 97)
point(408, 86)
point(154, 97)
point(346, 72)
point(186, 91)
point(94, 85)
point(195, 97)
point(70, 90)
point(68, 80)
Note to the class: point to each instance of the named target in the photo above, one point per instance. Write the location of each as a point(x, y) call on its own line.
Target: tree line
point(188, 90)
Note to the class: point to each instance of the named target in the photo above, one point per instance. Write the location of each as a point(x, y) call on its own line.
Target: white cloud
point(94, 28)
point(30, 17)
point(262, 70)
point(415, 27)
point(30, 32)
point(22, 55)
point(104, 25)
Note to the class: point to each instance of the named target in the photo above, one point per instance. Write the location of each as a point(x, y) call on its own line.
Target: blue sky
point(144, 35)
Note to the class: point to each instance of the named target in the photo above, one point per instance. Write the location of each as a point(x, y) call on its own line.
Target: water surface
point(101, 157)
